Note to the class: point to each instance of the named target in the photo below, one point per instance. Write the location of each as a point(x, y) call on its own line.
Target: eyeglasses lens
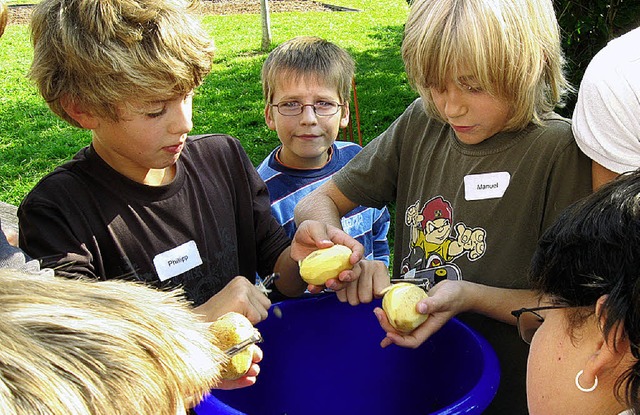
point(322, 108)
point(528, 323)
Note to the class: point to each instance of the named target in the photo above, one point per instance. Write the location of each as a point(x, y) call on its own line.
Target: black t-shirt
point(211, 223)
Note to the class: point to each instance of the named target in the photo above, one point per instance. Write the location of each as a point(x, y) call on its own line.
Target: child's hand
point(239, 295)
point(313, 235)
point(250, 377)
point(372, 278)
point(445, 301)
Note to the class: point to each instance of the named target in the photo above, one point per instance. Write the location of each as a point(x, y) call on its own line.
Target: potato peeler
point(234, 350)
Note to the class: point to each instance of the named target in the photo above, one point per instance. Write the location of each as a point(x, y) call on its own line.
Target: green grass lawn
point(33, 141)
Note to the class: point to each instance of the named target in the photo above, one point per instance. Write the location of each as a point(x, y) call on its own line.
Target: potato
point(399, 302)
point(231, 329)
point(324, 264)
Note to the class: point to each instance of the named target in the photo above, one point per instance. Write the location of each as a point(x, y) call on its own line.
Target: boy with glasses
point(307, 83)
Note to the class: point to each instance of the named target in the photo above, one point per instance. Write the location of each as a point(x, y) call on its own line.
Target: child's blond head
point(100, 53)
point(307, 57)
point(511, 47)
point(101, 348)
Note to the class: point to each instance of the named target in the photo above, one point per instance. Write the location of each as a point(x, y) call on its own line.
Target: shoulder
point(347, 147)
point(267, 168)
point(413, 123)
point(553, 118)
point(555, 128)
point(70, 177)
point(548, 140)
point(416, 120)
point(213, 147)
point(416, 109)
point(213, 142)
point(554, 142)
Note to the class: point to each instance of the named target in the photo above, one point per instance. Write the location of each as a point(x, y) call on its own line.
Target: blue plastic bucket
point(323, 357)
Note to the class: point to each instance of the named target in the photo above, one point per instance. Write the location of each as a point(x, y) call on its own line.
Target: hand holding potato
point(324, 264)
point(313, 235)
point(399, 303)
point(230, 330)
point(445, 300)
point(357, 284)
point(250, 377)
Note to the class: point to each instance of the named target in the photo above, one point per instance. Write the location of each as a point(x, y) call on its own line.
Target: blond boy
point(479, 166)
point(100, 348)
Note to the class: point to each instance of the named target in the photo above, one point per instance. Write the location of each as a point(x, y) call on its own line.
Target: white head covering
point(606, 119)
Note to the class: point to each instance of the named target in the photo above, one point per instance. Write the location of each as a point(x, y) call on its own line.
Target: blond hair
point(305, 57)
point(4, 16)
point(511, 47)
point(101, 53)
point(102, 348)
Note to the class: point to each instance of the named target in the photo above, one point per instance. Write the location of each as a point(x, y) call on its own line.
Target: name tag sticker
point(177, 260)
point(486, 185)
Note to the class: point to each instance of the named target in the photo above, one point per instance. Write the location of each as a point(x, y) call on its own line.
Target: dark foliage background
point(587, 26)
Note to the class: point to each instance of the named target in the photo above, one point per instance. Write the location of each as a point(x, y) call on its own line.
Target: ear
point(268, 118)
point(344, 119)
point(610, 351)
point(79, 113)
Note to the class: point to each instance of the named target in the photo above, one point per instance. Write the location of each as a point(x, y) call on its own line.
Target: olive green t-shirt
point(480, 207)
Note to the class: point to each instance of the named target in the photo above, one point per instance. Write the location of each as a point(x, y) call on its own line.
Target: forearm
point(497, 303)
point(326, 204)
point(317, 207)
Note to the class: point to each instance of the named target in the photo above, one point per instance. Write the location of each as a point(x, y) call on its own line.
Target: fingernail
point(422, 308)
point(377, 313)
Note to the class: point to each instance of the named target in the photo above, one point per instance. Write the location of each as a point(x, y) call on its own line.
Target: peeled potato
point(399, 302)
point(324, 264)
point(231, 329)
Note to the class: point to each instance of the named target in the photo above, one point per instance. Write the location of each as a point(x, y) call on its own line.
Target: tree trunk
point(266, 24)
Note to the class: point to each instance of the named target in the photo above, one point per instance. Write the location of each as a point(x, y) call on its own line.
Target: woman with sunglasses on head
point(585, 333)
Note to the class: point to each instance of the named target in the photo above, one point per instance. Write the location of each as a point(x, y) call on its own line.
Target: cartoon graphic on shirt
point(433, 245)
